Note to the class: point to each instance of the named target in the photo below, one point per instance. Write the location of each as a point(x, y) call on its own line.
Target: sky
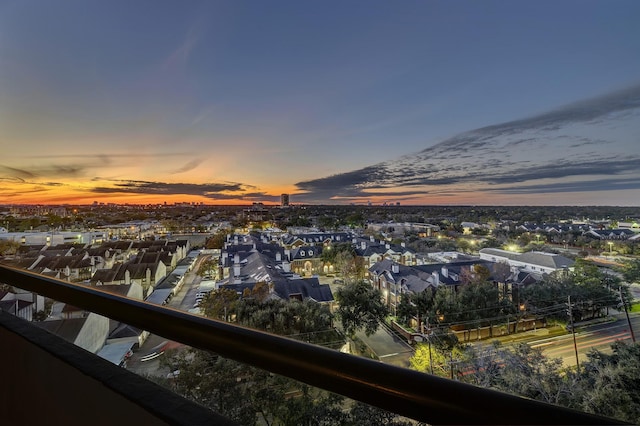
point(234, 102)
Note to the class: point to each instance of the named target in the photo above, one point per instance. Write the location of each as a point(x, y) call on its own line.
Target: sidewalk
point(553, 331)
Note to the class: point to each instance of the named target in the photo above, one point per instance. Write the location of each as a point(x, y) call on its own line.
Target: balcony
point(50, 379)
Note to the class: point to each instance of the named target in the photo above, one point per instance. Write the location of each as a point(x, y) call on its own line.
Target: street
point(599, 336)
point(389, 348)
point(146, 360)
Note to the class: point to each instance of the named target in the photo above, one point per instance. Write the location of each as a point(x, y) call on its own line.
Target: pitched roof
point(308, 288)
point(123, 331)
point(306, 252)
point(68, 329)
point(106, 275)
point(548, 260)
point(538, 258)
point(10, 305)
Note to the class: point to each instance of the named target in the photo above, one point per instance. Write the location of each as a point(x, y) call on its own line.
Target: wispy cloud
point(548, 152)
point(189, 166)
point(56, 171)
point(16, 173)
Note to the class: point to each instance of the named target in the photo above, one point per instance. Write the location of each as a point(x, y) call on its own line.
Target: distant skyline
point(234, 102)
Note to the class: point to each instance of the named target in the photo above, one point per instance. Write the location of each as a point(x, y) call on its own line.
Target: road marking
point(543, 344)
point(384, 356)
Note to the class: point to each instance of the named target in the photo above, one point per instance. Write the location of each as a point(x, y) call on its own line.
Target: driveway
point(389, 348)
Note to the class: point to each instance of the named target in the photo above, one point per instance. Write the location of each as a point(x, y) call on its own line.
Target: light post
point(610, 247)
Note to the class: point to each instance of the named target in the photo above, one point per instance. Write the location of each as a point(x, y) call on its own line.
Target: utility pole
point(573, 331)
point(451, 362)
point(633, 337)
point(429, 343)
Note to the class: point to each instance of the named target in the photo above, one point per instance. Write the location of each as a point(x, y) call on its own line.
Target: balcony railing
point(409, 393)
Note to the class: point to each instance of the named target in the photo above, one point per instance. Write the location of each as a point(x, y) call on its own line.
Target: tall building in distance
point(284, 200)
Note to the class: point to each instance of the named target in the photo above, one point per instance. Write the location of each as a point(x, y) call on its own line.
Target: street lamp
point(610, 247)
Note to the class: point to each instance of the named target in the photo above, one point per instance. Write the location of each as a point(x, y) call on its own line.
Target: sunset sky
point(232, 102)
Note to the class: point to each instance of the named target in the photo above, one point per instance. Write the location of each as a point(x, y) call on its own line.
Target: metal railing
point(409, 393)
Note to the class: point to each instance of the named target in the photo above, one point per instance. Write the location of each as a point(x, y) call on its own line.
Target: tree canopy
point(607, 384)
point(360, 308)
point(251, 396)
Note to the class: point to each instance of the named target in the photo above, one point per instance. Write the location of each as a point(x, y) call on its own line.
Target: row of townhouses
point(142, 270)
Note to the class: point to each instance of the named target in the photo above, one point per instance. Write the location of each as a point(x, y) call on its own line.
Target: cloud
point(12, 179)
point(586, 186)
point(17, 173)
point(56, 171)
point(594, 141)
point(214, 191)
point(108, 157)
point(189, 166)
point(146, 187)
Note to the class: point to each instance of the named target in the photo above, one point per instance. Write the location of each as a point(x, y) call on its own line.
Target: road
point(143, 361)
point(599, 336)
point(389, 348)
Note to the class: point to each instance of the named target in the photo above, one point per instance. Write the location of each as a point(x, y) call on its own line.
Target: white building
point(534, 261)
point(53, 238)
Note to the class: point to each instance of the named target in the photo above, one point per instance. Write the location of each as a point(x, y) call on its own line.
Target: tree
point(208, 267)
point(214, 382)
point(363, 414)
point(418, 305)
point(8, 247)
point(360, 308)
point(501, 271)
point(219, 304)
point(260, 291)
point(284, 317)
point(631, 271)
point(442, 355)
point(475, 275)
point(610, 383)
point(217, 240)
point(248, 395)
point(345, 259)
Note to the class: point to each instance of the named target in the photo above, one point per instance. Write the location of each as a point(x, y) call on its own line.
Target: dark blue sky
point(264, 94)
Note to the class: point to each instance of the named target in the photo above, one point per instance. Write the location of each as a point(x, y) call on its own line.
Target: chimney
point(436, 278)
point(236, 259)
point(445, 272)
point(395, 268)
point(236, 270)
point(278, 256)
point(235, 240)
point(403, 244)
point(286, 266)
point(148, 274)
point(287, 254)
point(387, 246)
point(373, 240)
point(363, 244)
